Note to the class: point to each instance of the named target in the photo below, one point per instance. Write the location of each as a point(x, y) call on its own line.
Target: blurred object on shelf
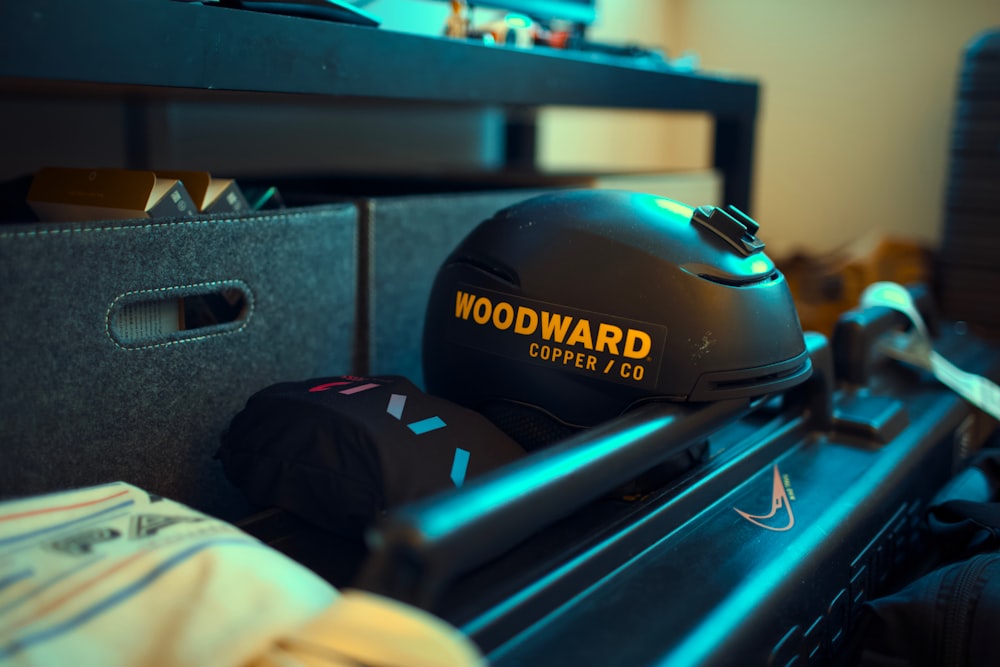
point(457, 23)
point(826, 285)
point(68, 194)
point(515, 30)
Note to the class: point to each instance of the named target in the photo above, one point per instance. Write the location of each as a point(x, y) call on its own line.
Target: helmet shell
point(583, 303)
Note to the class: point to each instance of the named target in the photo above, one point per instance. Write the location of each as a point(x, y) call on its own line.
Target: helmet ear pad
point(534, 428)
point(528, 425)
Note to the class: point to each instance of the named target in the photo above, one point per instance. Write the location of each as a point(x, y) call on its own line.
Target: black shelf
point(156, 47)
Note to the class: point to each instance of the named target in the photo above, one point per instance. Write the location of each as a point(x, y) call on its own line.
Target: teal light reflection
point(675, 207)
point(519, 479)
point(787, 571)
point(518, 21)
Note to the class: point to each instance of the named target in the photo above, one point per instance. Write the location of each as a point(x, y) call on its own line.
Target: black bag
point(339, 451)
point(950, 616)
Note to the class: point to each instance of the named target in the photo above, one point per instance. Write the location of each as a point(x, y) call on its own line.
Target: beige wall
point(855, 113)
point(613, 140)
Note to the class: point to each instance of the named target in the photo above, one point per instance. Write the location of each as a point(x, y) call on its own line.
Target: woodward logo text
point(580, 341)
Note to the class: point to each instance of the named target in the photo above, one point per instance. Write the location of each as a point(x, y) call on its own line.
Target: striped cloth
point(110, 575)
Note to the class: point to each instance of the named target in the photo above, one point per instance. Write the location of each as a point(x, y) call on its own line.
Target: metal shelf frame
point(164, 47)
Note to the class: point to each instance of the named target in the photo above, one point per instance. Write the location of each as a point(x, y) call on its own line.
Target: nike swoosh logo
point(779, 502)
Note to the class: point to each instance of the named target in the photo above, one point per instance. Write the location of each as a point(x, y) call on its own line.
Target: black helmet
point(573, 306)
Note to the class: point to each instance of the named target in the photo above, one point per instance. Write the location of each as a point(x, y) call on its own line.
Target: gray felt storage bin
point(89, 396)
point(409, 237)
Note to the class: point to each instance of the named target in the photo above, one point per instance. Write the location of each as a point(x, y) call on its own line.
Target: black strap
point(967, 522)
point(960, 512)
point(963, 528)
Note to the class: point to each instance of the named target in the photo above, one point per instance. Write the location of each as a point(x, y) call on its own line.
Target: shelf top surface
point(177, 45)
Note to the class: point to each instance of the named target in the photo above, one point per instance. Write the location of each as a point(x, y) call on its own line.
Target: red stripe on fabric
point(21, 515)
point(65, 597)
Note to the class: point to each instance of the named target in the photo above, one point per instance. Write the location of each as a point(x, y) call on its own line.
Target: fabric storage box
point(96, 388)
point(408, 238)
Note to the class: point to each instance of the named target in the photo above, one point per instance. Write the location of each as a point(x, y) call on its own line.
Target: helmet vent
point(758, 381)
point(740, 282)
point(752, 381)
